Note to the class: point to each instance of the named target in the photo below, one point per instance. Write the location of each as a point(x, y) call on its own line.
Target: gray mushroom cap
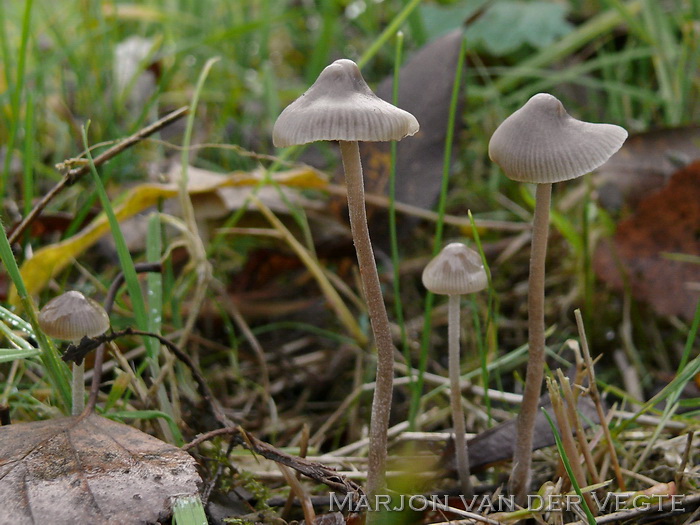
point(72, 316)
point(456, 270)
point(341, 106)
point(542, 143)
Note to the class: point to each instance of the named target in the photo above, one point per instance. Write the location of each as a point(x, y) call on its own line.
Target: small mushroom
point(70, 317)
point(341, 106)
point(455, 271)
point(542, 144)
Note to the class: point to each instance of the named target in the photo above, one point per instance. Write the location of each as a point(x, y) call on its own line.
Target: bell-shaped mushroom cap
point(542, 143)
point(455, 270)
point(341, 106)
point(72, 316)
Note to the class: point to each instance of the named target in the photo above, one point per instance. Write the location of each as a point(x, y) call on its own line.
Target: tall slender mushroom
point(455, 271)
point(70, 317)
point(341, 106)
point(541, 143)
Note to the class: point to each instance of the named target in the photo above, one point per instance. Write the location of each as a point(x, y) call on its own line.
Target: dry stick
point(311, 469)
point(595, 396)
point(519, 483)
point(75, 174)
point(99, 354)
point(381, 402)
point(202, 386)
point(575, 420)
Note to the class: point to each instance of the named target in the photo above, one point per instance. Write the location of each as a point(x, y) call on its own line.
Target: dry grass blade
point(345, 316)
point(575, 421)
point(595, 396)
point(567, 437)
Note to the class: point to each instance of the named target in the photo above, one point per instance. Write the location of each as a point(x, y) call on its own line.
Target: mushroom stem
point(456, 397)
point(381, 403)
point(78, 388)
point(519, 483)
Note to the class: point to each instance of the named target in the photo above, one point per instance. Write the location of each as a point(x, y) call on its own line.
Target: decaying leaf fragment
point(656, 249)
point(89, 469)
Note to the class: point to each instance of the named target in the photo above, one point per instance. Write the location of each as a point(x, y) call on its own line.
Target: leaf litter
point(89, 469)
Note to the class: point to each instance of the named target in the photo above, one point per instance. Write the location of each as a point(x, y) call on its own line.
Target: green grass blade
point(437, 239)
point(188, 510)
point(390, 30)
point(125, 260)
point(56, 370)
point(393, 237)
point(16, 93)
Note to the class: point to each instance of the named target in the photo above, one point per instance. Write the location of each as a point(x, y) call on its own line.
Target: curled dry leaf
point(645, 248)
point(89, 470)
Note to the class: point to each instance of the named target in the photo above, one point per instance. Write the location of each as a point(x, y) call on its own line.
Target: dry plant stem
point(575, 421)
point(298, 491)
point(567, 439)
point(73, 175)
point(381, 403)
point(78, 388)
point(456, 398)
point(595, 396)
point(519, 483)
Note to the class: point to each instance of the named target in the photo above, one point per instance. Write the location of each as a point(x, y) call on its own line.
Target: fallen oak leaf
point(89, 469)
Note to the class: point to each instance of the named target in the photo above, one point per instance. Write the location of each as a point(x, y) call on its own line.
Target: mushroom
point(455, 271)
point(340, 106)
point(70, 317)
point(541, 143)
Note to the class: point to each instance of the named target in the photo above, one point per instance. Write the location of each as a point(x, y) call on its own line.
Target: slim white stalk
point(456, 397)
point(519, 483)
point(78, 388)
point(381, 403)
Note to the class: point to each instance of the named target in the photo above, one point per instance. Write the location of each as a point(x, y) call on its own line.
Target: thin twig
point(73, 175)
point(316, 471)
point(109, 304)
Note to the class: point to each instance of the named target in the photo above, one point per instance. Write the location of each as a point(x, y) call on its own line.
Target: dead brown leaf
point(665, 223)
point(89, 470)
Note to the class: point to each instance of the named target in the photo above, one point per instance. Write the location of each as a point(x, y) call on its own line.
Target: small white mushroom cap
point(542, 143)
point(456, 270)
point(72, 316)
point(341, 106)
